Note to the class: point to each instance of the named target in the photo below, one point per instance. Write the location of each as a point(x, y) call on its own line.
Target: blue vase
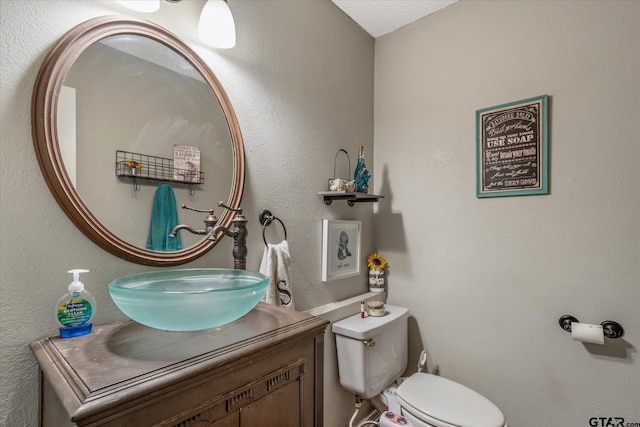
point(361, 175)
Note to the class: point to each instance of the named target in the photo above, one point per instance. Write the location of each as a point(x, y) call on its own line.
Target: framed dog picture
point(340, 249)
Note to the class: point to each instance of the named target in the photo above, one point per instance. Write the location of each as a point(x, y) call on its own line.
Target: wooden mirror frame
point(44, 115)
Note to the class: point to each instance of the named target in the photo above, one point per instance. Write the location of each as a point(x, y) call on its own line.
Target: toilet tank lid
point(448, 402)
point(358, 328)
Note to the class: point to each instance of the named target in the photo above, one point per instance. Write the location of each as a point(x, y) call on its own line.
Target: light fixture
point(146, 6)
point(216, 27)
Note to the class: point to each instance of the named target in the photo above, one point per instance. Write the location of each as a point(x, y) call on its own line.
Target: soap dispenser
point(75, 309)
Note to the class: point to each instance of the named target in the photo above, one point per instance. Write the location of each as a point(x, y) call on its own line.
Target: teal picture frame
point(512, 149)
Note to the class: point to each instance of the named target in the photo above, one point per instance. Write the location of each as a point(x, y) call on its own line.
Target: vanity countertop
point(126, 361)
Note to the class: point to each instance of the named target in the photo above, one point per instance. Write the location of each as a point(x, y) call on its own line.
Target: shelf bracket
point(350, 198)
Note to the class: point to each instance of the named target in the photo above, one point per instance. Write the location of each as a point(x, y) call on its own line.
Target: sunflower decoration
point(133, 164)
point(376, 262)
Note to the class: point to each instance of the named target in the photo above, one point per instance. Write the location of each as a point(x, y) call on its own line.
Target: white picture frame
point(340, 249)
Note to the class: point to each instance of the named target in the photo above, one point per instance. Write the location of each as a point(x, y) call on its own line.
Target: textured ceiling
point(379, 17)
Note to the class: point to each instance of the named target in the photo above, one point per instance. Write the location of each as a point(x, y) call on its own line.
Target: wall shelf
point(350, 197)
point(154, 168)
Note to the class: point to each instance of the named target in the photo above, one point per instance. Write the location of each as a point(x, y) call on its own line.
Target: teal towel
point(164, 218)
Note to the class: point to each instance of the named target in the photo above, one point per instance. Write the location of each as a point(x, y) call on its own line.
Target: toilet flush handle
point(369, 342)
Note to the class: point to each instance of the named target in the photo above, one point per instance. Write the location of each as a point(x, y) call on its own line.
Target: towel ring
point(266, 218)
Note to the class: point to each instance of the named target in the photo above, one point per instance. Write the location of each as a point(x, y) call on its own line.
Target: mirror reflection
point(131, 93)
point(111, 86)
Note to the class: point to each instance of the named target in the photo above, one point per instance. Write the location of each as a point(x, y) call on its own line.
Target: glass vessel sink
point(188, 299)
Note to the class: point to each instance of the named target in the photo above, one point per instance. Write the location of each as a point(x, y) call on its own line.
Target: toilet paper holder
point(610, 328)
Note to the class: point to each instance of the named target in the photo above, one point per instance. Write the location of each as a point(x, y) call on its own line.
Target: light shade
point(146, 6)
point(216, 26)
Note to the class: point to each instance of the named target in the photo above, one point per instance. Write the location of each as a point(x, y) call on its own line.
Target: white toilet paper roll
point(587, 333)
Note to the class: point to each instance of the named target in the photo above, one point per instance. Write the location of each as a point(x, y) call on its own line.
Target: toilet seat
point(443, 403)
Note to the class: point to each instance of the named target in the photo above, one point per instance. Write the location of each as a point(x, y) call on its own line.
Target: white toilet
point(372, 355)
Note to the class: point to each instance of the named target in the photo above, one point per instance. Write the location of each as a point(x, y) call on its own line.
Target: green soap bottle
point(75, 309)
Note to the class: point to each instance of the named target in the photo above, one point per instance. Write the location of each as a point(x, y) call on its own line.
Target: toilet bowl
point(372, 354)
point(431, 401)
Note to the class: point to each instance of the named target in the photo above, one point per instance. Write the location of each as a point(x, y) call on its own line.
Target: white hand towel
point(275, 265)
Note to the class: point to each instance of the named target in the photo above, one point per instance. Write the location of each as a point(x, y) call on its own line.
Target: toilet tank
point(372, 352)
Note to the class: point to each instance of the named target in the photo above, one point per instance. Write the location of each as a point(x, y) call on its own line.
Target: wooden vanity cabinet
point(264, 369)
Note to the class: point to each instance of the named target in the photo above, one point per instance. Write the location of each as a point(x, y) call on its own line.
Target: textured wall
point(487, 279)
point(301, 82)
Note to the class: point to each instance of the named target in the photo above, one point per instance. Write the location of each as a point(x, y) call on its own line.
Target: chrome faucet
point(209, 222)
point(239, 233)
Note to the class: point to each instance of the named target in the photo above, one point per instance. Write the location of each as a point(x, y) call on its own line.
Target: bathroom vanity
point(263, 369)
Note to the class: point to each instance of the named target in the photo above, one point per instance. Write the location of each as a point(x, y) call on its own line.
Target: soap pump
point(76, 308)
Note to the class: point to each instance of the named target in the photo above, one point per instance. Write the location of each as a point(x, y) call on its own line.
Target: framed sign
point(511, 149)
point(340, 249)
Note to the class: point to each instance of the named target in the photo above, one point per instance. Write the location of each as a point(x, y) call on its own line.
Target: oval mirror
point(113, 101)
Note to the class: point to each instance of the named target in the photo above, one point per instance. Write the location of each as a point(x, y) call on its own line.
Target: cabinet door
point(280, 408)
point(230, 420)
